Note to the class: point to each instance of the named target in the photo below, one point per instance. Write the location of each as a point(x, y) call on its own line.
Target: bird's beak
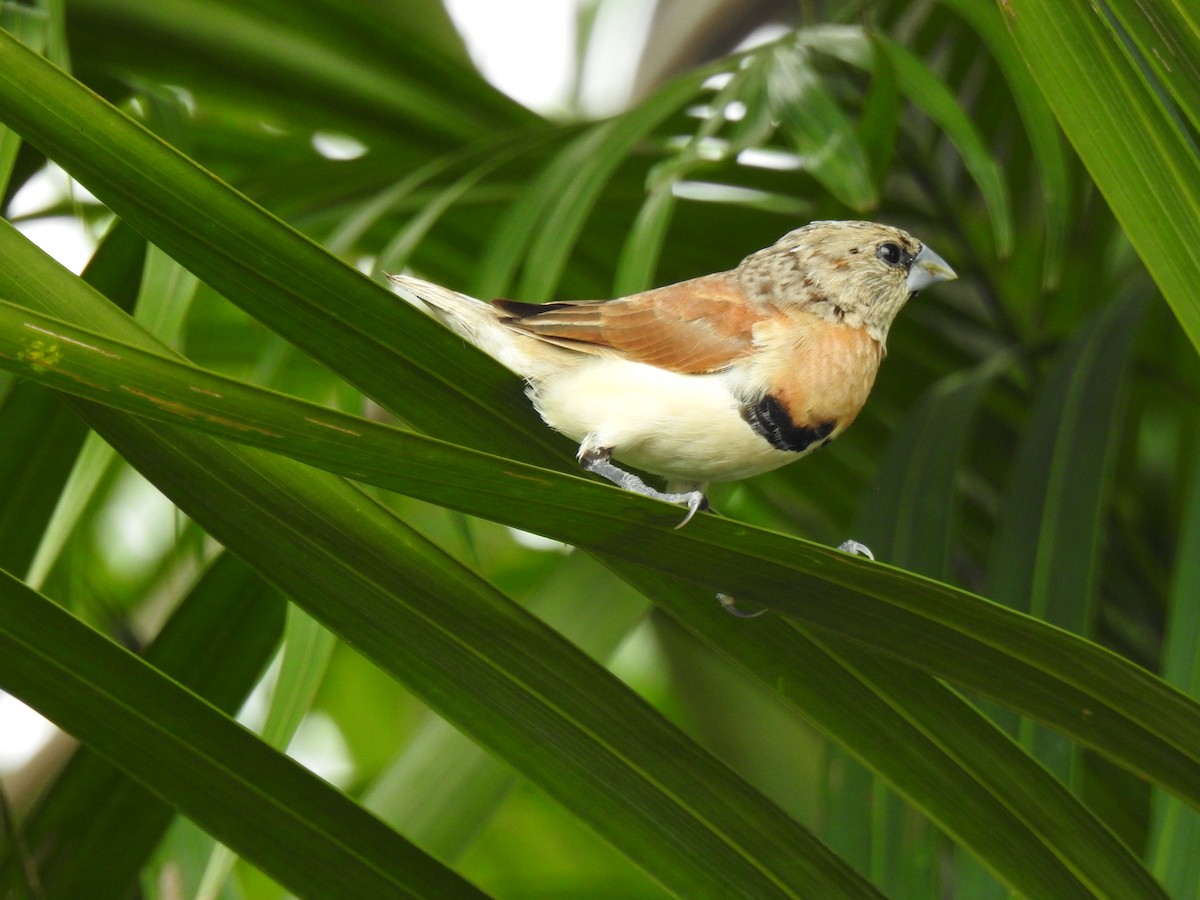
point(928, 268)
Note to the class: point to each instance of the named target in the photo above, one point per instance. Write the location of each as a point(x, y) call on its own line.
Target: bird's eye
point(890, 253)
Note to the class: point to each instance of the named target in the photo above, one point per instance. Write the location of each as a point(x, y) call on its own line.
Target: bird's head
point(859, 273)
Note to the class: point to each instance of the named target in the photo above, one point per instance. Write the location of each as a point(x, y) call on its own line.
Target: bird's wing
point(694, 327)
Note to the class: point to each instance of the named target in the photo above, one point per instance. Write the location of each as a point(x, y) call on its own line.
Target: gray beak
point(928, 268)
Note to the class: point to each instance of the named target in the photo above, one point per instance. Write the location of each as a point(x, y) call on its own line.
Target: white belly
point(684, 427)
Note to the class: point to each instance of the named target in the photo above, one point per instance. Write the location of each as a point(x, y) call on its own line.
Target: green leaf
point(880, 116)
point(442, 789)
point(30, 28)
point(1176, 828)
point(93, 831)
point(1047, 552)
point(572, 184)
point(307, 647)
point(909, 516)
point(1143, 161)
point(1048, 547)
point(339, 73)
point(643, 246)
point(943, 756)
point(1167, 36)
point(114, 158)
point(39, 442)
point(822, 134)
point(1040, 128)
point(190, 755)
point(499, 674)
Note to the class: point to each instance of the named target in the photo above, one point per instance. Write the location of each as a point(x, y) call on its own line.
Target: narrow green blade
point(190, 755)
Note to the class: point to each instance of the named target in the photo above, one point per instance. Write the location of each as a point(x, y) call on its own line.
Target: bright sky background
point(526, 48)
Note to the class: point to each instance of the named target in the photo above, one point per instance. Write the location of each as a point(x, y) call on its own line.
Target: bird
point(714, 379)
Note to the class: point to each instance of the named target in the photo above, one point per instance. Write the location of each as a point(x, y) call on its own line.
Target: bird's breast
point(809, 380)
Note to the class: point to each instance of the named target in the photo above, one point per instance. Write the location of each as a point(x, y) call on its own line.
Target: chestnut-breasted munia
point(713, 379)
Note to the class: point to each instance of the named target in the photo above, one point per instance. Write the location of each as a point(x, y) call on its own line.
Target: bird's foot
point(599, 461)
point(856, 549)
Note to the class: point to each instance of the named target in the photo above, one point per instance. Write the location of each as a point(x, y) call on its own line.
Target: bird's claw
point(857, 549)
point(695, 501)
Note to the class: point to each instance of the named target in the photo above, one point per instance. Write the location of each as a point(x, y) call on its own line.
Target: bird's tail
point(475, 320)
